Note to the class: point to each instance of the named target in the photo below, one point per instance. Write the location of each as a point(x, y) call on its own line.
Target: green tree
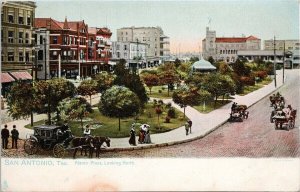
point(132, 81)
point(120, 102)
point(194, 59)
point(20, 100)
point(168, 75)
point(104, 80)
point(211, 60)
point(185, 96)
point(75, 108)
point(224, 68)
point(49, 93)
point(88, 88)
point(177, 62)
point(150, 80)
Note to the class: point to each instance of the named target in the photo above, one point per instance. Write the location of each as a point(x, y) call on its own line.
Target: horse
point(98, 142)
point(82, 143)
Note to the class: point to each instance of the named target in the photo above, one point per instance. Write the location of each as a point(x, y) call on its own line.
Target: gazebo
point(203, 66)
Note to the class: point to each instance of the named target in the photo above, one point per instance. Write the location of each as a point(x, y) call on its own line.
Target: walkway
point(203, 124)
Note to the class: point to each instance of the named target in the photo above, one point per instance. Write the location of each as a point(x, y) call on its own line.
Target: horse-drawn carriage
point(276, 100)
point(238, 113)
point(55, 138)
point(281, 119)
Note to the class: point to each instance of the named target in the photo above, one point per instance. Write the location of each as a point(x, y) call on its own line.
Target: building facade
point(289, 45)
point(82, 51)
point(158, 44)
point(17, 21)
point(134, 53)
point(226, 48)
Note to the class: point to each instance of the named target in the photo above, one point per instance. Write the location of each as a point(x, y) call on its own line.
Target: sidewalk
point(203, 124)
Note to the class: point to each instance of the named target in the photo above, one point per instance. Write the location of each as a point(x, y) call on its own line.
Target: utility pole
point(45, 58)
point(275, 62)
point(283, 61)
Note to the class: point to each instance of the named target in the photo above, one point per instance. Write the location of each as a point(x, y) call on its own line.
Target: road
point(255, 137)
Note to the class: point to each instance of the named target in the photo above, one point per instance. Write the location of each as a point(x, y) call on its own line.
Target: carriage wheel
point(59, 150)
point(31, 146)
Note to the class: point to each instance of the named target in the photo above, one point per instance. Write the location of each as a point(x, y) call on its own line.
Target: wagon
point(288, 122)
point(239, 113)
point(46, 137)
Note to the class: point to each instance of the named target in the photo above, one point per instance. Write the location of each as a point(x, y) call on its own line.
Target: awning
point(6, 78)
point(21, 75)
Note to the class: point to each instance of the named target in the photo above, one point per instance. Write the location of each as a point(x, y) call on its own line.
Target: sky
point(184, 22)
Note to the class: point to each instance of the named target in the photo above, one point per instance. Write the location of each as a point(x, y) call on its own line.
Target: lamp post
point(275, 62)
point(283, 62)
point(44, 39)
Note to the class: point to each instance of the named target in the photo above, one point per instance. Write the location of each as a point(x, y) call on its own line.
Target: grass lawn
point(106, 126)
point(249, 89)
point(209, 106)
point(155, 92)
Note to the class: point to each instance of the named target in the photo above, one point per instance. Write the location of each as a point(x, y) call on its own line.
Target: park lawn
point(155, 92)
point(249, 89)
point(109, 127)
point(209, 106)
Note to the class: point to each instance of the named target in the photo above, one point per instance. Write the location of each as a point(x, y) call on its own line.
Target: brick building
point(82, 50)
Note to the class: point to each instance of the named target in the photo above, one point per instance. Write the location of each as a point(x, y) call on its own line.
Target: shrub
point(247, 80)
point(159, 91)
point(171, 113)
point(261, 74)
point(169, 105)
point(160, 102)
point(167, 120)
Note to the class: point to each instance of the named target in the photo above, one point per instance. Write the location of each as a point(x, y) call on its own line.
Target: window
point(70, 40)
point(10, 18)
point(54, 41)
point(26, 38)
point(125, 47)
point(10, 56)
point(220, 51)
point(41, 40)
point(20, 37)
point(10, 37)
point(28, 21)
point(40, 55)
point(118, 54)
point(1, 36)
point(65, 40)
point(21, 20)
point(21, 56)
point(118, 47)
point(27, 56)
point(125, 55)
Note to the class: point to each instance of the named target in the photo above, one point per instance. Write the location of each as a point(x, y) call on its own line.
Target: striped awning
point(21, 75)
point(6, 78)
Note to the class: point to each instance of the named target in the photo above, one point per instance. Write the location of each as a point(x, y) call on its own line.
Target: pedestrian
point(4, 136)
point(187, 127)
point(190, 124)
point(87, 131)
point(132, 136)
point(147, 137)
point(15, 137)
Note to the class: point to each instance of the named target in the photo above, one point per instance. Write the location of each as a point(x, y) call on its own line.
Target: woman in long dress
point(132, 137)
point(147, 137)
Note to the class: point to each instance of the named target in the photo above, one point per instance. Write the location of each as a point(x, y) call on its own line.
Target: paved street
point(255, 137)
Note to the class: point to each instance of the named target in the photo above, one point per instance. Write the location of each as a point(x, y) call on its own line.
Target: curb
point(150, 146)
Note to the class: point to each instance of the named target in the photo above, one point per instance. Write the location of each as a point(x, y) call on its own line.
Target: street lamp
point(44, 40)
point(275, 61)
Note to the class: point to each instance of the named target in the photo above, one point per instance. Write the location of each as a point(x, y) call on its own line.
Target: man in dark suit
point(15, 137)
point(4, 136)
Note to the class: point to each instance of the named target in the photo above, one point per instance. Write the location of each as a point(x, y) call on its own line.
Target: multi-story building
point(135, 53)
point(289, 45)
point(17, 21)
point(226, 48)
point(158, 44)
point(82, 51)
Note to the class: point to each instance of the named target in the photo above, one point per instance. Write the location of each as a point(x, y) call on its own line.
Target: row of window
point(11, 55)
point(228, 51)
point(20, 19)
point(20, 38)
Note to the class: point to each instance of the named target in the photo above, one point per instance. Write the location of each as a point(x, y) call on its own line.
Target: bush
point(168, 105)
point(159, 91)
point(167, 120)
point(247, 80)
point(261, 74)
point(171, 113)
point(160, 102)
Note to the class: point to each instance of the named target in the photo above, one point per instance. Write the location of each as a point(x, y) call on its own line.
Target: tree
point(120, 102)
point(218, 85)
point(185, 96)
point(20, 100)
point(75, 108)
point(104, 80)
point(158, 112)
point(150, 80)
point(49, 93)
point(131, 81)
point(211, 60)
point(194, 59)
point(239, 68)
point(177, 62)
point(168, 75)
point(88, 87)
point(224, 68)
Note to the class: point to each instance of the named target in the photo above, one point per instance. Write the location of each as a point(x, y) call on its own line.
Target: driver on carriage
point(233, 107)
point(66, 134)
point(287, 111)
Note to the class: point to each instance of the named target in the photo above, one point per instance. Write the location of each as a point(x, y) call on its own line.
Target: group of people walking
point(5, 135)
point(144, 134)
